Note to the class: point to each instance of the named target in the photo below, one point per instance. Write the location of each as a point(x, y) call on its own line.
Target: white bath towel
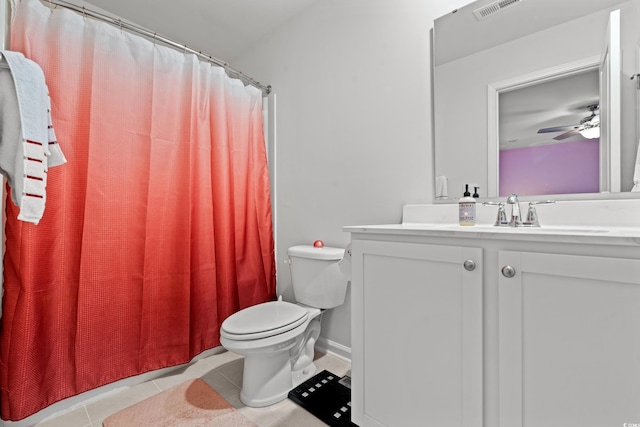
point(636, 172)
point(28, 144)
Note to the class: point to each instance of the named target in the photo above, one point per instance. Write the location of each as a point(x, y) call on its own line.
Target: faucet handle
point(501, 219)
point(542, 202)
point(532, 215)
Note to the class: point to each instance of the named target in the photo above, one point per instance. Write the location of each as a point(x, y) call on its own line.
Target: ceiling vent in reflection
point(493, 8)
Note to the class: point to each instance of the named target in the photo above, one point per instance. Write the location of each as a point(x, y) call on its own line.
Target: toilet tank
point(318, 280)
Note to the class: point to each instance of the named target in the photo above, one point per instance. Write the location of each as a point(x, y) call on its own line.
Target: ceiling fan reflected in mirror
point(589, 126)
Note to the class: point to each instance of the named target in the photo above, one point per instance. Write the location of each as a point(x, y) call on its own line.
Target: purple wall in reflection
point(568, 167)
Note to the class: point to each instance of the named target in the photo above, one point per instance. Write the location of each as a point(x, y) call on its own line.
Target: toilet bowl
point(277, 338)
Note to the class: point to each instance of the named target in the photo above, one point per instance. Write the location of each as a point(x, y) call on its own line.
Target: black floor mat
point(326, 396)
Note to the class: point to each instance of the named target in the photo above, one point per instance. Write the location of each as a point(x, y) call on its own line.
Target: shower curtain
point(157, 228)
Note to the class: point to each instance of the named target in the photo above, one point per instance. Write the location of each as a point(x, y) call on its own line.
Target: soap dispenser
point(467, 208)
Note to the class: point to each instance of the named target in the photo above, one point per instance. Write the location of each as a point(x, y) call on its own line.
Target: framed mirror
point(487, 67)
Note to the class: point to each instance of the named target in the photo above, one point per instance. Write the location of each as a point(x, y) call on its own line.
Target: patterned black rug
point(326, 396)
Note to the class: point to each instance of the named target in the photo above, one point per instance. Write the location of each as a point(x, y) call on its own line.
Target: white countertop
point(608, 222)
point(627, 236)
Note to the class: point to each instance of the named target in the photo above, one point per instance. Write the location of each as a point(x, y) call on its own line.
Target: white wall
point(353, 142)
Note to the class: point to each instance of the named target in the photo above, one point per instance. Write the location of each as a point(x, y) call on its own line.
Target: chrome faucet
point(516, 215)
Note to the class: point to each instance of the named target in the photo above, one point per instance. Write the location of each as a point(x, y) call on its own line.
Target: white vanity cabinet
point(569, 340)
point(417, 334)
point(544, 332)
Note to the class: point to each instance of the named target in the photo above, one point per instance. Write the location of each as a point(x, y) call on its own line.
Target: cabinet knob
point(508, 271)
point(469, 265)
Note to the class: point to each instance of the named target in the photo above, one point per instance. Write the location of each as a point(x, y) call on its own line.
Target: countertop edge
point(622, 236)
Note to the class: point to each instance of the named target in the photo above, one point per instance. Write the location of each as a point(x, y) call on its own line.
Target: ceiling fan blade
point(569, 134)
point(558, 129)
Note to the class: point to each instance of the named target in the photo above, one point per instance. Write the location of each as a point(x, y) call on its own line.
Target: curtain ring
point(154, 38)
point(84, 14)
point(184, 51)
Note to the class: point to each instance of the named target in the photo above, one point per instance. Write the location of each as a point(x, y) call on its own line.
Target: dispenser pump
point(475, 192)
point(467, 208)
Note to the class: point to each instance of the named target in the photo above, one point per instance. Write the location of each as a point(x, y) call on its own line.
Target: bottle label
point(467, 213)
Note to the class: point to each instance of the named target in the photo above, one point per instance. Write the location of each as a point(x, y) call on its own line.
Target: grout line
point(228, 379)
point(88, 416)
point(157, 386)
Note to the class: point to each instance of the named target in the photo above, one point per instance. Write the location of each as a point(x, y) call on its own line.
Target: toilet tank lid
point(308, 251)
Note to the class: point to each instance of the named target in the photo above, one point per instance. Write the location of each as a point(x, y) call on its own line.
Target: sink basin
point(532, 230)
point(569, 230)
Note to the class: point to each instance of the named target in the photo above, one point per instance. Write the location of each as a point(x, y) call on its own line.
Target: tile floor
point(223, 372)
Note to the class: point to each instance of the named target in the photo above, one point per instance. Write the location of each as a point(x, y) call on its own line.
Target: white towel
point(27, 141)
point(636, 172)
point(441, 187)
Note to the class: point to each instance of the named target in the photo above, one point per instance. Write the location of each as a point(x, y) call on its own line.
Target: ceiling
point(559, 102)
point(221, 28)
point(478, 35)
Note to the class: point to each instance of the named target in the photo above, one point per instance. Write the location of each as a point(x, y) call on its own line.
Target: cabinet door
point(569, 331)
point(417, 335)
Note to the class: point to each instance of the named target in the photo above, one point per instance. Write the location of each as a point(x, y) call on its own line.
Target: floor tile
point(233, 371)
point(268, 416)
point(223, 372)
point(296, 417)
point(76, 418)
point(220, 359)
point(109, 405)
point(194, 370)
point(221, 384)
point(332, 363)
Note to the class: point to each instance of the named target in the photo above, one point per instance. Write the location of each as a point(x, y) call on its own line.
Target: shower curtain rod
point(157, 37)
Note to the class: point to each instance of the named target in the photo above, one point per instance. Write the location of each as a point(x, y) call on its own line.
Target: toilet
point(277, 338)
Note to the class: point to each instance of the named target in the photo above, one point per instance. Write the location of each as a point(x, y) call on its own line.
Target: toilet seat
point(263, 320)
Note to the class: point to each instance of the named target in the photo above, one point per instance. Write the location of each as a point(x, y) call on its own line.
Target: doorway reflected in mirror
point(544, 143)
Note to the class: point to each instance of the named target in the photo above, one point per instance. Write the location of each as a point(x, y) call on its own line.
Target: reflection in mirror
point(549, 137)
point(472, 56)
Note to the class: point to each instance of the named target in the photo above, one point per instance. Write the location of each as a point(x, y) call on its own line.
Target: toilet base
point(261, 391)
point(272, 370)
point(266, 379)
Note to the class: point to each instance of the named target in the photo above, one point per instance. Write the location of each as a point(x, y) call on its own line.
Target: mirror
point(486, 53)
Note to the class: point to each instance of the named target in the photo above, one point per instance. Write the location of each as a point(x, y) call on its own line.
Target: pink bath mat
point(190, 404)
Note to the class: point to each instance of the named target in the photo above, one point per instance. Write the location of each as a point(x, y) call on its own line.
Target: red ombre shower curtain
point(157, 228)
